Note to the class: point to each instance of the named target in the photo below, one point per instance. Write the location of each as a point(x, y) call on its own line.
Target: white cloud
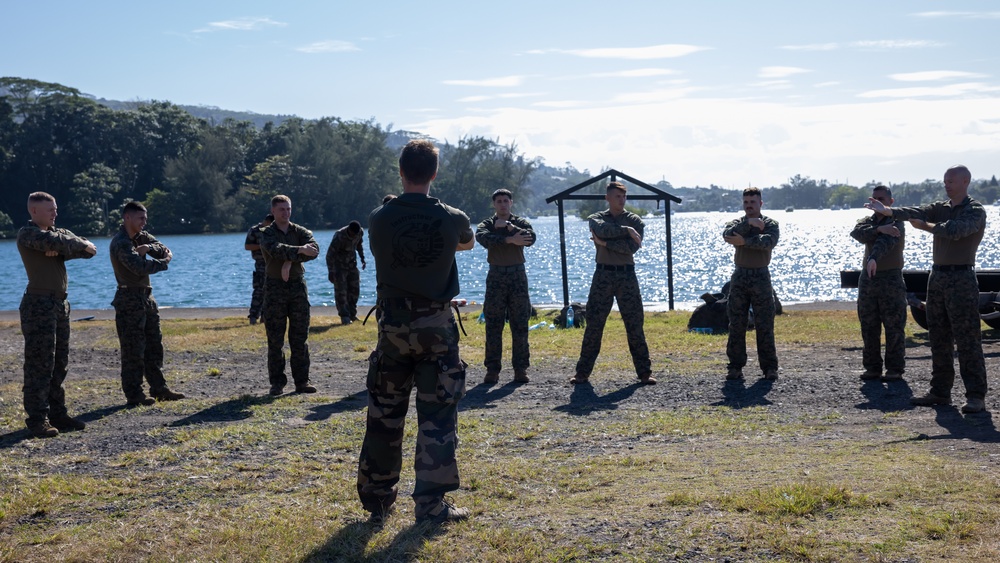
point(827, 84)
point(241, 24)
point(951, 90)
point(780, 71)
point(963, 15)
point(562, 104)
point(330, 46)
point(772, 84)
point(932, 75)
point(474, 99)
point(813, 47)
point(896, 44)
point(500, 82)
point(667, 51)
point(635, 73)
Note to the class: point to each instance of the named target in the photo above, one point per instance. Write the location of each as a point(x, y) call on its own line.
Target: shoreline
point(327, 311)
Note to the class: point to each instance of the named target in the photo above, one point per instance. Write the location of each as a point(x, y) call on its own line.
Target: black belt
point(507, 269)
point(135, 289)
point(414, 303)
point(618, 268)
point(47, 293)
point(952, 268)
point(745, 269)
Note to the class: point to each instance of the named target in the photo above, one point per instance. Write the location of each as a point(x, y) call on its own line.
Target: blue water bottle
point(569, 317)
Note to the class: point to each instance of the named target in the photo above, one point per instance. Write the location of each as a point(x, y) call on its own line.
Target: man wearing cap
point(958, 225)
point(505, 235)
point(252, 244)
point(882, 292)
point(44, 311)
point(343, 271)
point(617, 234)
point(753, 237)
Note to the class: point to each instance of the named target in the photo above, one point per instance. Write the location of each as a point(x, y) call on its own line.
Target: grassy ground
point(273, 480)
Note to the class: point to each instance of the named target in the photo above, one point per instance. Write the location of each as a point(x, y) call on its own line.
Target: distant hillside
point(212, 114)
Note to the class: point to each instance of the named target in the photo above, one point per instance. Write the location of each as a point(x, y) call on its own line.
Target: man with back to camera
point(414, 238)
point(286, 246)
point(882, 292)
point(252, 244)
point(44, 250)
point(505, 235)
point(617, 234)
point(753, 237)
point(343, 271)
point(135, 254)
point(958, 225)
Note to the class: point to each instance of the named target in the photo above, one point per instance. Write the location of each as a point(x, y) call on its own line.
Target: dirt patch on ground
point(817, 382)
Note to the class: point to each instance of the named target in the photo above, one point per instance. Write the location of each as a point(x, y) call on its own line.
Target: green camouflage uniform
point(751, 286)
point(257, 298)
point(286, 304)
point(953, 294)
point(45, 318)
point(343, 273)
point(614, 278)
point(882, 298)
point(413, 239)
point(506, 292)
point(137, 317)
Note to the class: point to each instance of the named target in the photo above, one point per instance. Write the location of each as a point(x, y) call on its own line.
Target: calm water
point(215, 271)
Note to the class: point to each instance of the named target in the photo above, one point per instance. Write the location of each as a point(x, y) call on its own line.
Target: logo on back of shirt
point(417, 245)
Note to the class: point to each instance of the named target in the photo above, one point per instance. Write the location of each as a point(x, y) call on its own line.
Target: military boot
point(66, 423)
point(42, 430)
point(166, 395)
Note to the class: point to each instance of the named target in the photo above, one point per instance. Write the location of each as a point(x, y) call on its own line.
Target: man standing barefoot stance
point(413, 239)
point(44, 309)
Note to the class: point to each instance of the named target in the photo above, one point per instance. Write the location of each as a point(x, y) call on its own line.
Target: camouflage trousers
point(417, 347)
point(606, 286)
point(882, 302)
point(953, 320)
point(137, 320)
point(507, 298)
point(257, 298)
point(286, 305)
point(347, 289)
point(45, 325)
point(751, 286)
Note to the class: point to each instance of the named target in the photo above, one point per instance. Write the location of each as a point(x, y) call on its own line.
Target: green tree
point(92, 192)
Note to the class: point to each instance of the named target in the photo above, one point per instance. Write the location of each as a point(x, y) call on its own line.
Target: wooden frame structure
point(655, 194)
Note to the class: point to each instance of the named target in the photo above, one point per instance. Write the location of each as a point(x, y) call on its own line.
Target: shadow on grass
point(228, 411)
point(583, 400)
point(11, 438)
point(480, 396)
point(351, 543)
point(353, 402)
point(314, 329)
point(977, 427)
point(888, 396)
point(735, 394)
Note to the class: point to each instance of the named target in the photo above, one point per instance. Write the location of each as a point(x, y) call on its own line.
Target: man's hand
point(878, 207)
point(91, 249)
point(142, 249)
point(890, 230)
point(309, 250)
point(501, 224)
point(871, 267)
point(634, 234)
point(52, 253)
point(167, 255)
point(735, 240)
point(756, 222)
point(520, 239)
point(598, 241)
point(286, 270)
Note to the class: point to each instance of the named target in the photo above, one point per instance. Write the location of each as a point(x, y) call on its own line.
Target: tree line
point(200, 175)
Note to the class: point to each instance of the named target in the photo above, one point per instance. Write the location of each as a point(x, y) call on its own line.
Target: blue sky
point(734, 93)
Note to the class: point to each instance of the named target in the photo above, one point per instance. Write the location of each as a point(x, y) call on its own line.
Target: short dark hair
point(269, 217)
point(881, 188)
point(503, 191)
point(280, 198)
point(752, 191)
point(388, 198)
point(419, 161)
point(37, 197)
point(616, 186)
point(133, 207)
point(354, 227)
